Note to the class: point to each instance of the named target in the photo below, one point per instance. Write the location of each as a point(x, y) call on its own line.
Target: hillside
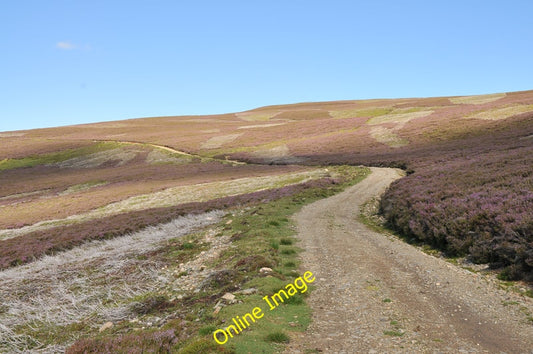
point(468, 192)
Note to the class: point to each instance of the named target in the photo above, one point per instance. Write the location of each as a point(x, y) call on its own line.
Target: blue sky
point(69, 62)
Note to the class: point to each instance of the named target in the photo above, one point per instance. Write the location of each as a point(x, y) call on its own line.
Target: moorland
point(467, 193)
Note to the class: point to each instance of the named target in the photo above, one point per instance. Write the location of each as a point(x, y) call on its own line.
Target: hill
point(468, 189)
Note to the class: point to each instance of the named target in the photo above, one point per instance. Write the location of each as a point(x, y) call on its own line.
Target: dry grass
point(173, 196)
point(398, 117)
point(368, 112)
point(388, 137)
point(93, 283)
point(218, 141)
point(118, 156)
point(502, 113)
point(57, 186)
point(77, 188)
point(479, 99)
point(256, 126)
point(277, 154)
point(256, 116)
point(11, 134)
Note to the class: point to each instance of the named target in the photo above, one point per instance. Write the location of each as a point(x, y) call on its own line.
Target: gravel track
point(377, 294)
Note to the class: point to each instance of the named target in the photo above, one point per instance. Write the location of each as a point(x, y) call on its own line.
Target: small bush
point(207, 330)
point(393, 333)
point(151, 304)
point(204, 346)
point(295, 300)
point(221, 280)
point(188, 246)
point(277, 337)
point(253, 263)
point(286, 241)
point(143, 342)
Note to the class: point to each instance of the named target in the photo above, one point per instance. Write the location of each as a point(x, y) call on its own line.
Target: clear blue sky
point(69, 62)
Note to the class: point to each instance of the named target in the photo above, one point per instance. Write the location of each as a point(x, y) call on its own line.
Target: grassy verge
point(260, 235)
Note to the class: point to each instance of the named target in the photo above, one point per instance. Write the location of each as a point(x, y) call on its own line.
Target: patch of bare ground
point(377, 294)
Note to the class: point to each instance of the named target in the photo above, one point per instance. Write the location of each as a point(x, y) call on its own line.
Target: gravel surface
point(377, 294)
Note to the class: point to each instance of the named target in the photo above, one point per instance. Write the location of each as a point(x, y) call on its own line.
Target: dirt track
point(376, 294)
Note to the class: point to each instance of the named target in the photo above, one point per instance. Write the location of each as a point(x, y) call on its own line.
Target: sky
point(69, 62)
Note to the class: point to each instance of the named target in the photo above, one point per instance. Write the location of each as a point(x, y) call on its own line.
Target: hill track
point(377, 294)
point(174, 151)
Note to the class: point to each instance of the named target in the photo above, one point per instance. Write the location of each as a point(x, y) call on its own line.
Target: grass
point(479, 99)
point(147, 295)
point(56, 157)
point(393, 333)
point(277, 337)
point(371, 112)
point(447, 156)
point(74, 292)
point(259, 228)
point(501, 113)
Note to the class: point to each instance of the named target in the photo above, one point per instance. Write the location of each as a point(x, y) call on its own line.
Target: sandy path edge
point(371, 288)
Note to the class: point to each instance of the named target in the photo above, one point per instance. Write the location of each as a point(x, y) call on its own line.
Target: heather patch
point(173, 196)
point(27, 247)
point(479, 205)
point(147, 291)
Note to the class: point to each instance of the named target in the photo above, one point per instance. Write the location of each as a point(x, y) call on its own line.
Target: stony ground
point(377, 294)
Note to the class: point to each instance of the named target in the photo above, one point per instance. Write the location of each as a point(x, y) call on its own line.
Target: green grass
point(286, 241)
point(260, 229)
point(277, 337)
point(393, 333)
point(56, 157)
point(207, 330)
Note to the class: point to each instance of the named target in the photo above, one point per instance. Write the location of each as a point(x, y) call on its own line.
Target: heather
point(479, 204)
point(158, 286)
point(26, 248)
point(146, 342)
